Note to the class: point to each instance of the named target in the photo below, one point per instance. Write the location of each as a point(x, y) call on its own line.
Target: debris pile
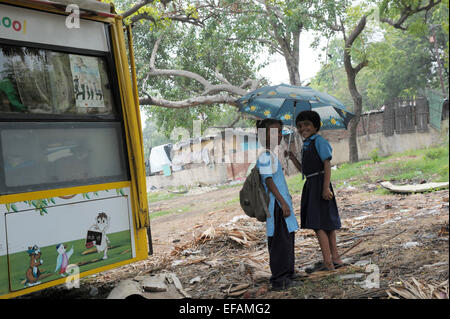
point(387, 233)
point(384, 233)
point(416, 289)
point(401, 240)
point(160, 286)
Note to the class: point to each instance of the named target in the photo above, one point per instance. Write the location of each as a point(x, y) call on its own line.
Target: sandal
point(317, 266)
point(339, 265)
point(329, 266)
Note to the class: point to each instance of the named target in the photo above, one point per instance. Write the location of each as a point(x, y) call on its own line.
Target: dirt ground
point(396, 246)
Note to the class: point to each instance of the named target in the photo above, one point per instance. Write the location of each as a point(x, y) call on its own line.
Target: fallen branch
point(353, 246)
point(395, 236)
point(372, 293)
point(419, 290)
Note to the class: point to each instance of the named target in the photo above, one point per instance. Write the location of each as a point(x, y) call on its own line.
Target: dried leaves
point(244, 235)
point(416, 289)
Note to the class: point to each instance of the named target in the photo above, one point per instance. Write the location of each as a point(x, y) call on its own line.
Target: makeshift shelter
point(160, 159)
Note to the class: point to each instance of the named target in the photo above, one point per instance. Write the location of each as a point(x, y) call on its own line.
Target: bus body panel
point(87, 230)
point(49, 237)
point(46, 28)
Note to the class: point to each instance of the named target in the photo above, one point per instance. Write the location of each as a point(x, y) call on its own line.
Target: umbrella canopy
point(284, 102)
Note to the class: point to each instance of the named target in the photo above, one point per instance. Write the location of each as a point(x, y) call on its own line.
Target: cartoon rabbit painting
point(33, 272)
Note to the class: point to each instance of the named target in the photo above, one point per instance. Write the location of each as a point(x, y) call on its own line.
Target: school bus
point(72, 176)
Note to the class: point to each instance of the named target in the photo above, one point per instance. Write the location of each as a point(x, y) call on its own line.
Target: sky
point(277, 72)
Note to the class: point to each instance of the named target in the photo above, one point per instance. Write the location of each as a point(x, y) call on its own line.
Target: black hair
point(267, 122)
point(264, 124)
point(312, 116)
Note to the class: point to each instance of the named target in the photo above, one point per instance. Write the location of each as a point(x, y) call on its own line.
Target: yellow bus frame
point(134, 142)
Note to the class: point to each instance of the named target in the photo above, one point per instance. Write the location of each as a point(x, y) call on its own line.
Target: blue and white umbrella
point(284, 102)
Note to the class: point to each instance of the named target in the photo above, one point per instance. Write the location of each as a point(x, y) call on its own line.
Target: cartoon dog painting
point(62, 260)
point(97, 234)
point(33, 272)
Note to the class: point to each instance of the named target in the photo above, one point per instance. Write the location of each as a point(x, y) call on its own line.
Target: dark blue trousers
point(281, 251)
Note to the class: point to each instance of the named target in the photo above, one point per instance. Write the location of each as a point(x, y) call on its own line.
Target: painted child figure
point(62, 261)
point(282, 224)
point(102, 225)
point(318, 205)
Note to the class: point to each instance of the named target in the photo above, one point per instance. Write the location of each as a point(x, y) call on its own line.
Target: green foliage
point(400, 64)
point(430, 164)
point(170, 211)
point(159, 196)
point(152, 137)
point(198, 50)
point(436, 153)
point(374, 155)
point(295, 184)
point(417, 165)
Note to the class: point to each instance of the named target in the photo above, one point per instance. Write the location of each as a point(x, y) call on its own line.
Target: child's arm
point(273, 188)
point(326, 192)
point(294, 160)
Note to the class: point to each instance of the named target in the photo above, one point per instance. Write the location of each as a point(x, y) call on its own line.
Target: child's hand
point(327, 194)
point(290, 155)
point(286, 209)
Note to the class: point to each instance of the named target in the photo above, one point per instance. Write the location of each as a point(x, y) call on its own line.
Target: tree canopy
point(195, 58)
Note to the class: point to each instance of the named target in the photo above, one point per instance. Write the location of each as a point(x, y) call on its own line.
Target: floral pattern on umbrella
point(285, 102)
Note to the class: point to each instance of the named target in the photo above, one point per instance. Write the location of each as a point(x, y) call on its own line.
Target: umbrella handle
point(290, 136)
point(295, 105)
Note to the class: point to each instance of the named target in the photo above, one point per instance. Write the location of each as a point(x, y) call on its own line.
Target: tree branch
point(262, 41)
point(155, 49)
point(406, 12)
point(199, 100)
point(351, 71)
point(221, 77)
point(361, 65)
point(251, 84)
point(356, 31)
point(219, 93)
point(136, 8)
point(172, 16)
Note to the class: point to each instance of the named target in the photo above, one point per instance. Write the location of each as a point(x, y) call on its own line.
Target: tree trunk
point(353, 125)
point(291, 54)
point(351, 80)
point(294, 74)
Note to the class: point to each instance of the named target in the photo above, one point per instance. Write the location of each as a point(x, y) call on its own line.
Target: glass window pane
point(49, 82)
point(49, 155)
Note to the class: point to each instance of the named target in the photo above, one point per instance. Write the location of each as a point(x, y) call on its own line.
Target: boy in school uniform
point(282, 224)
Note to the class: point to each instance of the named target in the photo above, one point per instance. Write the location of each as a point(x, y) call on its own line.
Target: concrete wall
point(371, 124)
point(386, 145)
point(370, 136)
point(201, 175)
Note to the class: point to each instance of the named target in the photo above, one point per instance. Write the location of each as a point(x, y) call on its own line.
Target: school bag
point(253, 197)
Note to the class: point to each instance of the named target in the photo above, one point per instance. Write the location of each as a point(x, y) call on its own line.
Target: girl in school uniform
point(318, 209)
point(282, 224)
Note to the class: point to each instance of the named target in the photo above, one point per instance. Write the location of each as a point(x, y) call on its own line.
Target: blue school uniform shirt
point(322, 146)
point(269, 166)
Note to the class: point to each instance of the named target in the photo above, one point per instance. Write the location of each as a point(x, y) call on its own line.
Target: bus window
point(48, 82)
point(49, 153)
point(40, 156)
